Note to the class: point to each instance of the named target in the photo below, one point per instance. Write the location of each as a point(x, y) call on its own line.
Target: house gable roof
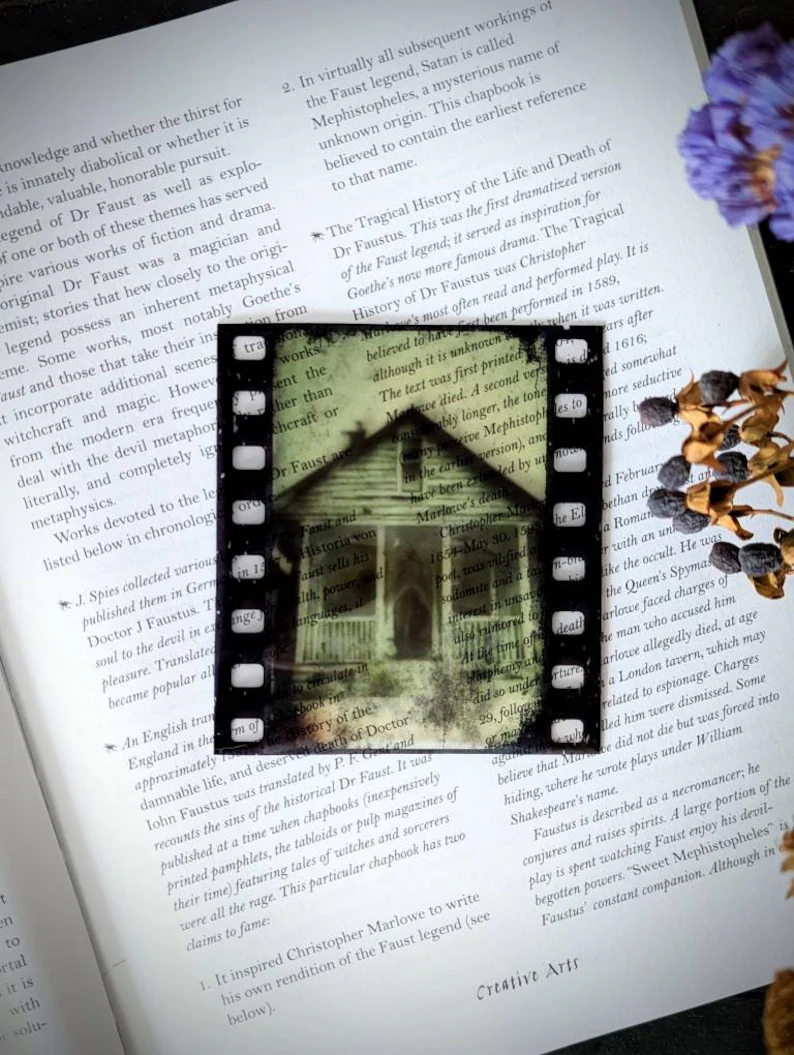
point(411, 416)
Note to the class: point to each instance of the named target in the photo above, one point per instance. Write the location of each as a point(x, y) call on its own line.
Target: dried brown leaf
point(770, 585)
point(787, 841)
point(730, 523)
point(756, 428)
point(697, 417)
point(721, 495)
point(689, 396)
point(756, 385)
point(714, 499)
point(701, 452)
point(770, 455)
point(697, 498)
point(705, 439)
point(778, 1018)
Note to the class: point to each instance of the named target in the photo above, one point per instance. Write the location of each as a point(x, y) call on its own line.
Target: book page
point(469, 163)
point(51, 992)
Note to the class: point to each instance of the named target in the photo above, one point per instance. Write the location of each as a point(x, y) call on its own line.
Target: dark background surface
point(35, 27)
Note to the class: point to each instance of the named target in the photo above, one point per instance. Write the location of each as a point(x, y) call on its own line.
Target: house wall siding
point(367, 486)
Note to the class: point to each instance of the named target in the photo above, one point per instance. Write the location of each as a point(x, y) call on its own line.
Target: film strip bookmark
point(245, 609)
point(571, 716)
point(251, 567)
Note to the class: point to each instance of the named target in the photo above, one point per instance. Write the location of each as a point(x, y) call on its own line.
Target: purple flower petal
point(782, 226)
point(785, 167)
point(739, 61)
point(720, 164)
point(769, 112)
point(781, 222)
point(739, 149)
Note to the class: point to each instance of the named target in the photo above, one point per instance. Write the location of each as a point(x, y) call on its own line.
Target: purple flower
point(769, 111)
point(739, 148)
point(739, 62)
point(722, 165)
point(781, 222)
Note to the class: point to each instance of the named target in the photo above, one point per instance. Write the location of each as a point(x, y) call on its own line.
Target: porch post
point(303, 605)
point(527, 626)
point(445, 607)
point(380, 594)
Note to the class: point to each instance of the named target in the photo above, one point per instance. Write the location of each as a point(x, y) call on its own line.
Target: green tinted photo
point(409, 473)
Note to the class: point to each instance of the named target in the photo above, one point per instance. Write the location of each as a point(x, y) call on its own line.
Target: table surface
point(35, 27)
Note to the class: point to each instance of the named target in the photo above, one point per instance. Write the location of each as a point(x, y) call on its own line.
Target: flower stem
point(767, 472)
point(768, 512)
point(740, 415)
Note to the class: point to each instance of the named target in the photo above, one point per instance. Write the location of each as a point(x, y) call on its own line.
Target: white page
point(51, 992)
point(695, 299)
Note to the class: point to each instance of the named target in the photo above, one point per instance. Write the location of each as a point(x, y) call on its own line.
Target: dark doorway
point(413, 628)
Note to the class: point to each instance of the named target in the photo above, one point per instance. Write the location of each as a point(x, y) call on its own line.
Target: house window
point(473, 593)
point(344, 577)
point(411, 465)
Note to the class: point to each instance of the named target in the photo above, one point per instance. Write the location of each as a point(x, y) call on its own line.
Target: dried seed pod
point(689, 522)
point(760, 558)
point(664, 503)
point(657, 411)
point(734, 466)
point(674, 473)
point(725, 557)
point(732, 438)
point(716, 386)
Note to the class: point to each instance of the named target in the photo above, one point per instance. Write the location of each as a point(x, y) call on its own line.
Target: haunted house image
point(404, 551)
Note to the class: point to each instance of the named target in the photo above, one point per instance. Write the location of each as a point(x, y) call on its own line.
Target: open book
point(470, 162)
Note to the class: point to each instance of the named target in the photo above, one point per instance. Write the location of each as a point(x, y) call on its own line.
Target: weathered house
point(404, 547)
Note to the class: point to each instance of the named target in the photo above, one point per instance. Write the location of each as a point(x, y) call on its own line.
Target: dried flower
point(725, 557)
point(674, 473)
point(717, 386)
point(657, 411)
point(723, 410)
point(733, 466)
point(689, 522)
point(663, 503)
point(760, 558)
